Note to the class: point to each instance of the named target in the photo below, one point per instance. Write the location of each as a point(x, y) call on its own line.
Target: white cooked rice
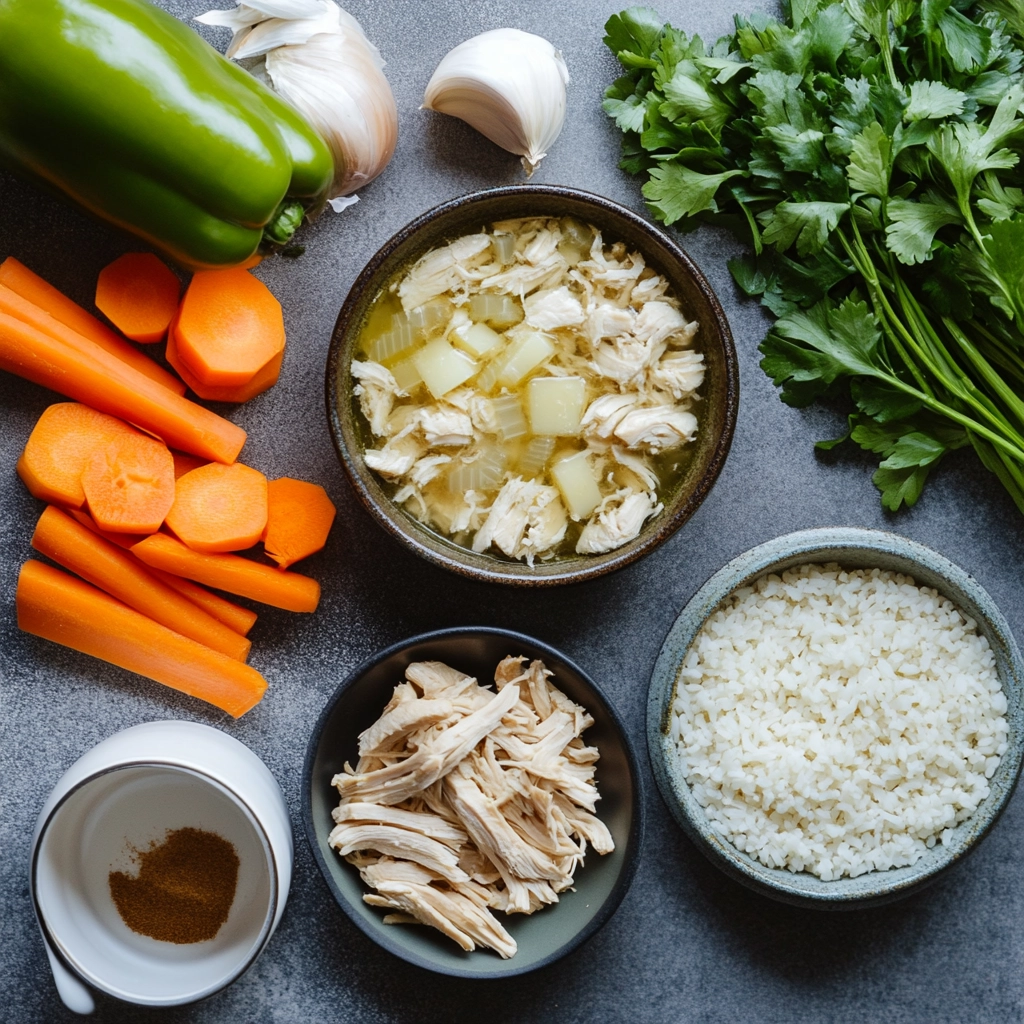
point(838, 722)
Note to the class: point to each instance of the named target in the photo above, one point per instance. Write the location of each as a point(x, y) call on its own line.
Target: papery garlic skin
point(509, 85)
point(318, 59)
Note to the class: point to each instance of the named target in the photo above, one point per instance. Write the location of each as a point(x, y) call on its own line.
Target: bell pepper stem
point(285, 222)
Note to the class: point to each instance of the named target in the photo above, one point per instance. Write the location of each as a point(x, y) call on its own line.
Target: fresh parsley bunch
point(869, 152)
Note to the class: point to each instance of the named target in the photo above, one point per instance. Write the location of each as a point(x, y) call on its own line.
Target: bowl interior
point(600, 883)
point(470, 214)
point(94, 832)
point(852, 549)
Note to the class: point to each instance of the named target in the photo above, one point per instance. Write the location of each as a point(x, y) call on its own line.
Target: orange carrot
point(266, 378)
point(236, 575)
point(68, 611)
point(17, 278)
point(61, 443)
point(123, 576)
point(240, 619)
point(299, 517)
point(228, 328)
point(88, 374)
point(139, 295)
point(129, 484)
point(219, 508)
point(185, 463)
point(234, 616)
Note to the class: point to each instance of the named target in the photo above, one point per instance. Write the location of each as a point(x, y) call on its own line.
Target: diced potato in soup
point(442, 367)
point(575, 479)
point(555, 405)
point(530, 390)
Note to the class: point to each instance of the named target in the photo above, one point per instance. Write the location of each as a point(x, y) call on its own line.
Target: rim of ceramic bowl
point(851, 547)
point(443, 552)
point(634, 842)
point(64, 955)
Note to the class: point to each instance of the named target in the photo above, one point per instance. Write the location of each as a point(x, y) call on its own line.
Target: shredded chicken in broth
point(465, 800)
point(522, 387)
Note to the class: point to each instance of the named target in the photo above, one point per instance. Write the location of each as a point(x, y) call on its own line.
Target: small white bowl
point(124, 794)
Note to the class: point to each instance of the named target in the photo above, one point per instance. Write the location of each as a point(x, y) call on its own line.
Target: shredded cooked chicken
point(465, 800)
point(466, 456)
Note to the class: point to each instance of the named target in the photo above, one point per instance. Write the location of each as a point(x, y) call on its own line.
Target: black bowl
point(467, 214)
point(601, 883)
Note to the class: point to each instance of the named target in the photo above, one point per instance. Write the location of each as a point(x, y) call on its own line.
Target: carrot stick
point(299, 517)
point(88, 374)
point(129, 484)
point(219, 508)
point(16, 277)
point(236, 575)
point(61, 443)
point(266, 378)
point(68, 611)
point(240, 619)
point(139, 295)
point(123, 576)
point(234, 616)
point(228, 328)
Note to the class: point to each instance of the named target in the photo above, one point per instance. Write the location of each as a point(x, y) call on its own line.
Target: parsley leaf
point(675, 191)
point(806, 224)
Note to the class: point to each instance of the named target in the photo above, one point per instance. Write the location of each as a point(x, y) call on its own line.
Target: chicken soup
point(529, 391)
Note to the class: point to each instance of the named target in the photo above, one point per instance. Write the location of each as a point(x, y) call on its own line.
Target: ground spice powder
point(184, 890)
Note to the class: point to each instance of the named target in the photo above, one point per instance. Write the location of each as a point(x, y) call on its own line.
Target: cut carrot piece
point(240, 619)
point(266, 378)
point(61, 443)
point(122, 540)
point(228, 328)
point(234, 616)
point(18, 278)
point(138, 294)
point(129, 484)
point(85, 372)
point(185, 463)
point(288, 590)
point(219, 508)
point(58, 607)
point(123, 576)
point(299, 517)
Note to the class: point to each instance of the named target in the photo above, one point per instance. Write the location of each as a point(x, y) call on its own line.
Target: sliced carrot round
point(299, 517)
point(265, 378)
point(139, 295)
point(229, 327)
point(220, 508)
point(129, 484)
point(61, 443)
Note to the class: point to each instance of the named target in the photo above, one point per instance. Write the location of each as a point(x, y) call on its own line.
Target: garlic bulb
point(318, 58)
point(509, 85)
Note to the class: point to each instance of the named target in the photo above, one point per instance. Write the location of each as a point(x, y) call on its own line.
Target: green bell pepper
point(128, 111)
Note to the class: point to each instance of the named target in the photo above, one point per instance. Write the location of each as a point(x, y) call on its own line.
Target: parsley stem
point(981, 364)
point(891, 320)
point(886, 316)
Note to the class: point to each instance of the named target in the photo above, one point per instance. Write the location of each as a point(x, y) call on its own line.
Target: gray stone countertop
point(687, 944)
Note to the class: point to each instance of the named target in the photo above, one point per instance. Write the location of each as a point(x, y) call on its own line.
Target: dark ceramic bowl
point(601, 882)
point(852, 549)
point(468, 214)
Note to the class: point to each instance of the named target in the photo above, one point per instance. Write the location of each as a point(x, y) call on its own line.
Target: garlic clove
point(317, 57)
point(275, 32)
point(509, 85)
point(336, 82)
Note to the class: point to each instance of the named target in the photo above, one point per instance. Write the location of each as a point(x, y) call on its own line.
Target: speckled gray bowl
point(469, 213)
point(853, 549)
